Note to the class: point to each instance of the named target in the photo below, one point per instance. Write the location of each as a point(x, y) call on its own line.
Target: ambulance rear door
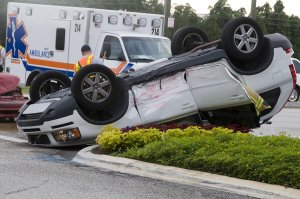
point(51, 52)
point(59, 47)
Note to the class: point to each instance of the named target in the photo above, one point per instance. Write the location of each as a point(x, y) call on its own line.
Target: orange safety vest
point(84, 61)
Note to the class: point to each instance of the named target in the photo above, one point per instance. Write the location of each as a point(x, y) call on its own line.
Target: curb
point(184, 176)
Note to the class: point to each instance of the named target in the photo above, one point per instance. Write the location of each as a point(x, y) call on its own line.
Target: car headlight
point(67, 135)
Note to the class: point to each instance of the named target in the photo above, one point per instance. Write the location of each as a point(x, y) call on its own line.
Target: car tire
point(31, 77)
point(242, 39)
point(95, 87)
point(187, 38)
point(295, 95)
point(47, 82)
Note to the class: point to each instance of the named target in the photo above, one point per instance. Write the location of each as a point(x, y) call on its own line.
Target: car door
point(112, 54)
point(214, 87)
point(164, 99)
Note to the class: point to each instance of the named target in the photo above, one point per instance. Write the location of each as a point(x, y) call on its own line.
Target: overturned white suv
point(245, 79)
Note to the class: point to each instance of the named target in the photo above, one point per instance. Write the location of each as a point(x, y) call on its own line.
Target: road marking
point(12, 139)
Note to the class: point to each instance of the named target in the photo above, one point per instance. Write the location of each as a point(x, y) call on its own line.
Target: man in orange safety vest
point(87, 58)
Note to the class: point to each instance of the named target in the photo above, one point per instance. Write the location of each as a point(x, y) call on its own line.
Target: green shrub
point(140, 137)
point(270, 159)
point(112, 139)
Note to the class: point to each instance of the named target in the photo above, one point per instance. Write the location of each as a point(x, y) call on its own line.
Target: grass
point(269, 159)
point(25, 89)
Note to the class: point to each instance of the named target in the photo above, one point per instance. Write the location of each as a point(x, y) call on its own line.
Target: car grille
point(31, 130)
point(31, 116)
point(38, 139)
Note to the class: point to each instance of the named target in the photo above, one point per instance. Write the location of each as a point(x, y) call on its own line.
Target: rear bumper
point(10, 105)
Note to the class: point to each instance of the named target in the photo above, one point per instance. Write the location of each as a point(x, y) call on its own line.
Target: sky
point(201, 6)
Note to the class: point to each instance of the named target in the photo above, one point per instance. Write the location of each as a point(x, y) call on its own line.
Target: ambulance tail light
point(29, 11)
point(78, 15)
point(113, 19)
point(142, 22)
point(15, 10)
point(156, 23)
point(98, 18)
point(62, 14)
point(127, 21)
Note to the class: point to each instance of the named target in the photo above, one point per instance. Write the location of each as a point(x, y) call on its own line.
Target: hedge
point(269, 159)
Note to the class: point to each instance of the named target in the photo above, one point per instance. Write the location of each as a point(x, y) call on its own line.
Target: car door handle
point(237, 97)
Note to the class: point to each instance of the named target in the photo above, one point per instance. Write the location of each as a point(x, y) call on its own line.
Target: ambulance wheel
point(47, 82)
point(242, 39)
point(187, 38)
point(95, 87)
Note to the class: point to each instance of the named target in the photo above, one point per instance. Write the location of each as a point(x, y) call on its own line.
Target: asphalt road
point(287, 121)
point(30, 172)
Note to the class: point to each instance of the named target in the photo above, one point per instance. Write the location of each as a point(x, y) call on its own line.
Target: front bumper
point(54, 114)
point(42, 135)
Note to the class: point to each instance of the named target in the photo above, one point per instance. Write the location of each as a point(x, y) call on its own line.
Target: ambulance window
point(112, 49)
point(60, 39)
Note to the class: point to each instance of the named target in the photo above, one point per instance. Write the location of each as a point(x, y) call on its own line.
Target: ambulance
point(46, 37)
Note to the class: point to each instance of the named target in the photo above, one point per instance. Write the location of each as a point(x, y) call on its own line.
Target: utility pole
point(253, 9)
point(167, 11)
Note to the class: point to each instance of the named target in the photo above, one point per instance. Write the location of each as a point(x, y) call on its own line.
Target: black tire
point(48, 82)
point(295, 96)
point(97, 97)
point(111, 113)
point(187, 38)
point(242, 45)
point(31, 77)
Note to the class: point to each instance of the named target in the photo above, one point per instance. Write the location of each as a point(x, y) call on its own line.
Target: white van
point(45, 37)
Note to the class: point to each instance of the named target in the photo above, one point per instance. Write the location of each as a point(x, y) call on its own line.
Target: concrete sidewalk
point(184, 176)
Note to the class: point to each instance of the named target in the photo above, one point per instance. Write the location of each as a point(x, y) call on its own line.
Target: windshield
point(147, 49)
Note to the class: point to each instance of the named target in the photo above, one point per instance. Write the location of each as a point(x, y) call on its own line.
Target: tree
point(153, 6)
point(184, 15)
point(294, 27)
point(263, 16)
point(279, 20)
point(219, 15)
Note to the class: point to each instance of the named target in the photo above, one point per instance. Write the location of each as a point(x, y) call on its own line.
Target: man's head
point(86, 50)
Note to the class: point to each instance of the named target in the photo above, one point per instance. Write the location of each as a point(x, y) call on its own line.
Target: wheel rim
point(192, 39)
point(96, 87)
point(293, 96)
point(51, 86)
point(245, 38)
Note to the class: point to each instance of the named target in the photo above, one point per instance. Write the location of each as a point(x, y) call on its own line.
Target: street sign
point(171, 22)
